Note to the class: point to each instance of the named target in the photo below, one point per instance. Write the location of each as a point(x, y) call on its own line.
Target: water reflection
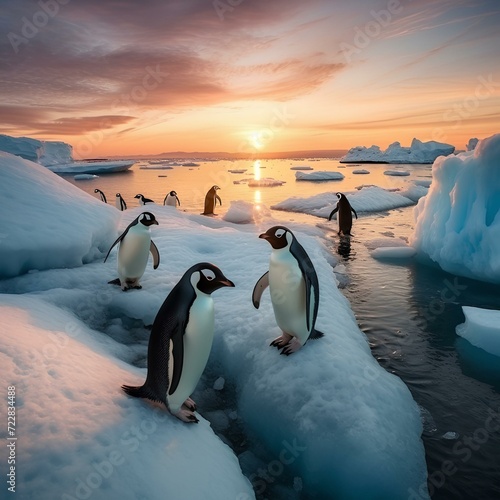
point(344, 248)
point(256, 170)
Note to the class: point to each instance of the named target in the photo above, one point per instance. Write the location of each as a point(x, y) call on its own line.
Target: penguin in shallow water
point(142, 199)
point(120, 202)
point(103, 196)
point(344, 217)
point(294, 288)
point(211, 201)
point(171, 199)
point(135, 245)
point(181, 340)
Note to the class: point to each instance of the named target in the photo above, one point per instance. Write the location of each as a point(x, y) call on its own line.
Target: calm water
point(408, 310)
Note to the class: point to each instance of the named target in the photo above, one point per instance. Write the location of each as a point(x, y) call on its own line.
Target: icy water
point(408, 311)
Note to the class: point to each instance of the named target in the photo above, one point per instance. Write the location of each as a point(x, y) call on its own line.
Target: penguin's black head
point(339, 195)
point(277, 236)
point(210, 278)
point(97, 190)
point(118, 195)
point(173, 193)
point(138, 196)
point(147, 219)
point(215, 188)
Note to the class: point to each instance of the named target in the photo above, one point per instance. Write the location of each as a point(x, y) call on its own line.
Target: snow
point(367, 199)
point(99, 167)
point(396, 172)
point(319, 176)
point(243, 212)
point(331, 415)
point(81, 436)
point(481, 328)
point(418, 152)
point(361, 171)
point(85, 177)
point(471, 145)
point(46, 222)
point(458, 222)
point(415, 191)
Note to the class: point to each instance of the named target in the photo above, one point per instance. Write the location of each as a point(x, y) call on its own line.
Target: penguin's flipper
point(217, 197)
point(354, 212)
point(334, 211)
point(155, 253)
point(178, 201)
point(259, 288)
point(120, 238)
point(178, 359)
point(165, 199)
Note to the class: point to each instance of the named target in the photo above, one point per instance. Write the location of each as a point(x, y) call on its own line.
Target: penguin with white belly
point(135, 245)
point(294, 288)
point(120, 203)
point(181, 340)
point(172, 199)
point(143, 200)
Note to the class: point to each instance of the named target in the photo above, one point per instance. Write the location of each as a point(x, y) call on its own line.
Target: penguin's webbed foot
point(186, 416)
point(293, 346)
point(281, 341)
point(190, 404)
point(137, 287)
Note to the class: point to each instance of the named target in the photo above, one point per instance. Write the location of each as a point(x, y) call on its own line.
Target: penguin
point(135, 245)
point(345, 218)
point(142, 199)
point(120, 202)
point(294, 288)
point(103, 196)
point(171, 199)
point(211, 201)
point(181, 340)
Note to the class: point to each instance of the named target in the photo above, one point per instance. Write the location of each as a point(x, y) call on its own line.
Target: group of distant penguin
point(182, 333)
point(171, 199)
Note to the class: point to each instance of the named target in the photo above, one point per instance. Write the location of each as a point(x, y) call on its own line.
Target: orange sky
point(157, 76)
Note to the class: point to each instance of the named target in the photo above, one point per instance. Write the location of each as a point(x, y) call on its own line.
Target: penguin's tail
point(115, 282)
point(316, 334)
point(140, 392)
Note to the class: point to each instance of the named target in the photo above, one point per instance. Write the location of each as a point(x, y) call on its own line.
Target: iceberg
point(418, 152)
point(47, 222)
point(340, 423)
point(58, 156)
point(481, 328)
point(457, 224)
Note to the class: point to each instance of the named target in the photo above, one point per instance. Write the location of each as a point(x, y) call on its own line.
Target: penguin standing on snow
point(120, 202)
point(345, 217)
point(181, 340)
point(171, 199)
point(135, 245)
point(211, 201)
point(143, 200)
point(294, 288)
point(103, 196)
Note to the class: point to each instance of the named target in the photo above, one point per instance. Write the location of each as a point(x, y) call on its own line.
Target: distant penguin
point(211, 201)
point(294, 288)
point(181, 340)
point(120, 202)
point(171, 199)
point(344, 217)
point(135, 245)
point(103, 196)
point(142, 199)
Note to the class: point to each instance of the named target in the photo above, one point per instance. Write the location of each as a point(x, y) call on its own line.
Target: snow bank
point(367, 199)
point(99, 167)
point(319, 176)
point(243, 212)
point(418, 152)
point(81, 436)
point(471, 145)
point(458, 222)
point(396, 172)
point(329, 414)
point(46, 222)
point(481, 328)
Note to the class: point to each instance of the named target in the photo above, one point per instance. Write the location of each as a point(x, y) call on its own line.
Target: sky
point(121, 77)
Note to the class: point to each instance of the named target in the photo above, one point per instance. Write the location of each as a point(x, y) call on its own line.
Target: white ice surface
point(481, 328)
point(458, 222)
point(319, 176)
point(243, 212)
point(46, 222)
point(367, 199)
point(353, 428)
point(80, 436)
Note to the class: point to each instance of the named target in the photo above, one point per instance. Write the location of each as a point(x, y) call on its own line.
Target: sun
point(255, 140)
